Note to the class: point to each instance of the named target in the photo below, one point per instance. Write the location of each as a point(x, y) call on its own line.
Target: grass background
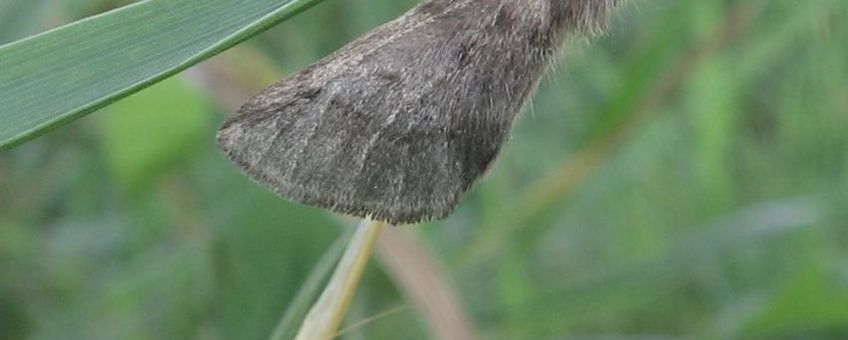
point(684, 176)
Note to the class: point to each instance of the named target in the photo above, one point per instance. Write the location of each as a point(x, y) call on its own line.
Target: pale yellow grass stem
point(326, 315)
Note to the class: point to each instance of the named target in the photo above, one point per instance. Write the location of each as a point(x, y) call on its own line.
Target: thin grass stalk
point(326, 315)
point(296, 311)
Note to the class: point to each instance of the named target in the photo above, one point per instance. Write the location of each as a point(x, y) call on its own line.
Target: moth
point(399, 123)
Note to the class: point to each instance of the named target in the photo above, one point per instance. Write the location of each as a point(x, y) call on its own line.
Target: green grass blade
point(60, 75)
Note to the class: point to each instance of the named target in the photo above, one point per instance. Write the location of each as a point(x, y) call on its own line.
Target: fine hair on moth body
point(399, 123)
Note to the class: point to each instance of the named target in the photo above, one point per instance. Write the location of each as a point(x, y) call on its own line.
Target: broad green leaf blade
point(60, 75)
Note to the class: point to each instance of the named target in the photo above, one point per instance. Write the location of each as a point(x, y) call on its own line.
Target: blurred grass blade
point(65, 73)
point(18, 18)
point(296, 311)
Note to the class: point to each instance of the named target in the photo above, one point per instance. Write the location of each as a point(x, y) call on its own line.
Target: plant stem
point(299, 307)
point(326, 315)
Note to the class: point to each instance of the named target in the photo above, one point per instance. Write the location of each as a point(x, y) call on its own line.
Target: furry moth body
point(398, 124)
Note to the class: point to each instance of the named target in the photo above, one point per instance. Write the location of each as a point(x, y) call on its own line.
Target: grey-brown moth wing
point(399, 123)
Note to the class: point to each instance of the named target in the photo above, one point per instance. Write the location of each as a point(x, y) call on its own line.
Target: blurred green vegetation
point(684, 175)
